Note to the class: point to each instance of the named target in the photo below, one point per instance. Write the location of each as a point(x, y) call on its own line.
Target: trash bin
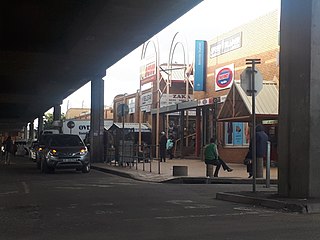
point(209, 170)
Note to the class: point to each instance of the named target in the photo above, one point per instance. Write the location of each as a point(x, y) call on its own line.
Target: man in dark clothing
point(8, 148)
point(163, 146)
point(261, 150)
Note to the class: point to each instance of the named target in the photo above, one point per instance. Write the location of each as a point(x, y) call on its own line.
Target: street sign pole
point(253, 62)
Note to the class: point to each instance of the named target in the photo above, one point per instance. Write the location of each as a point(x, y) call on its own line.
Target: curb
point(111, 171)
point(181, 179)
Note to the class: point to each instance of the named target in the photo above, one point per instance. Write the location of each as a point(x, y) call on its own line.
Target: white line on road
point(6, 193)
point(26, 188)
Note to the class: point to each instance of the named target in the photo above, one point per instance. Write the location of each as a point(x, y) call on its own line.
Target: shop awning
point(238, 106)
point(134, 126)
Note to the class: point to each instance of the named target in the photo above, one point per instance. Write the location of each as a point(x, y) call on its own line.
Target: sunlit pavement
point(264, 194)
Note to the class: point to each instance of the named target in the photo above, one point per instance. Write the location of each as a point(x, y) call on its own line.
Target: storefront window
point(236, 134)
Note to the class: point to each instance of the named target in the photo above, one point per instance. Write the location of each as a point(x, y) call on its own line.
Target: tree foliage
point(48, 120)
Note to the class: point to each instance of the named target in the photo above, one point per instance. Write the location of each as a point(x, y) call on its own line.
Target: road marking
point(94, 185)
point(189, 204)
point(6, 193)
point(187, 216)
point(72, 188)
point(101, 204)
point(26, 188)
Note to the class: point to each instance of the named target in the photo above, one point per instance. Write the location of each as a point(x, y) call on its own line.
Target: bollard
point(268, 163)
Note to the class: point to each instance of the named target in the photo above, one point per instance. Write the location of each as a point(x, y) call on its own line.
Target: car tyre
point(86, 168)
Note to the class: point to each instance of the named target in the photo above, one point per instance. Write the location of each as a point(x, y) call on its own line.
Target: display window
point(236, 134)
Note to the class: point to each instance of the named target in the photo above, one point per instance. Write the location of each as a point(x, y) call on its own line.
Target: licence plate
point(69, 160)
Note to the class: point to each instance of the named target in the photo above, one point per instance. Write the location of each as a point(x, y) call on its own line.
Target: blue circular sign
point(224, 77)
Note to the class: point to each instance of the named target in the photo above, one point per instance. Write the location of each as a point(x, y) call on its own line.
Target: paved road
point(72, 205)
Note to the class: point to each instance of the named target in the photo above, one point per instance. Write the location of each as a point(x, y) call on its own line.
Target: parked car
point(33, 150)
point(21, 149)
point(62, 151)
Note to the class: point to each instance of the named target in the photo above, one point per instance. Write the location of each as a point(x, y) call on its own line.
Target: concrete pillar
point(96, 119)
point(31, 130)
point(299, 112)
point(56, 112)
point(40, 125)
point(57, 116)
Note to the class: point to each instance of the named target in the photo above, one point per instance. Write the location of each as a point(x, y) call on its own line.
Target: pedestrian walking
point(261, 151)
point(8, 150)
point(170, 145)
point(163, 147)
point(211, 156)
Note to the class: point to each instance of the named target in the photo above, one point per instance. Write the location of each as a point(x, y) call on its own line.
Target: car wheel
point(86, 168)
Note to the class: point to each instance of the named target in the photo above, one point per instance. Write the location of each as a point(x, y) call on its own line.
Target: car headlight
point(53, 152)
point(83, 151)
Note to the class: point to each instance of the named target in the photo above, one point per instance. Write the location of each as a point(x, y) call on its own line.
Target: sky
point(207, 20)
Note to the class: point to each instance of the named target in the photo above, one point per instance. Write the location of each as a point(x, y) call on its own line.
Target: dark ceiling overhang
point(48, 49)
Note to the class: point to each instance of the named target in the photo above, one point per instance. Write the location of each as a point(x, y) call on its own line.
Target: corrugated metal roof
point(238, 106)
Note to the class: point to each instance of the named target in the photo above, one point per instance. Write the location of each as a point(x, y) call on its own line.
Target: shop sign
point(132, 105)
point(224, 77)
point(226, 45)
point(146, 101)
point(205, 101)
point(171, 99)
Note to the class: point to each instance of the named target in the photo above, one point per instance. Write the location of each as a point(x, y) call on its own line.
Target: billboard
point(148, 70)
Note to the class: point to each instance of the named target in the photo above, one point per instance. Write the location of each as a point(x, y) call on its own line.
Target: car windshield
point(65, 141)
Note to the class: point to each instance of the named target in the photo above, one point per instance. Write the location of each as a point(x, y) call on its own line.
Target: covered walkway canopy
point(238, 106)
point(48, 49)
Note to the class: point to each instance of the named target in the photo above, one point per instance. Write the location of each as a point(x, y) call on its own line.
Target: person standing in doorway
point(8, 148)
point(163, 146)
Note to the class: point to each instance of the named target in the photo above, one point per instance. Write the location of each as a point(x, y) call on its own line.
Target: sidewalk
point(164, 172)
point(266, 197)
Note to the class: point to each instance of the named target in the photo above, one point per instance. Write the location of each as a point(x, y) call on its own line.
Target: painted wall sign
point(200, 66)
point(224, 77)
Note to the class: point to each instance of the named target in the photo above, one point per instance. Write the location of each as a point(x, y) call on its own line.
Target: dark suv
point(62, 151)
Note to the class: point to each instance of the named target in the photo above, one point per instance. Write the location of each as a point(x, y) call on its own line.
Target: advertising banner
point(148, 70)
point(200, 66)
